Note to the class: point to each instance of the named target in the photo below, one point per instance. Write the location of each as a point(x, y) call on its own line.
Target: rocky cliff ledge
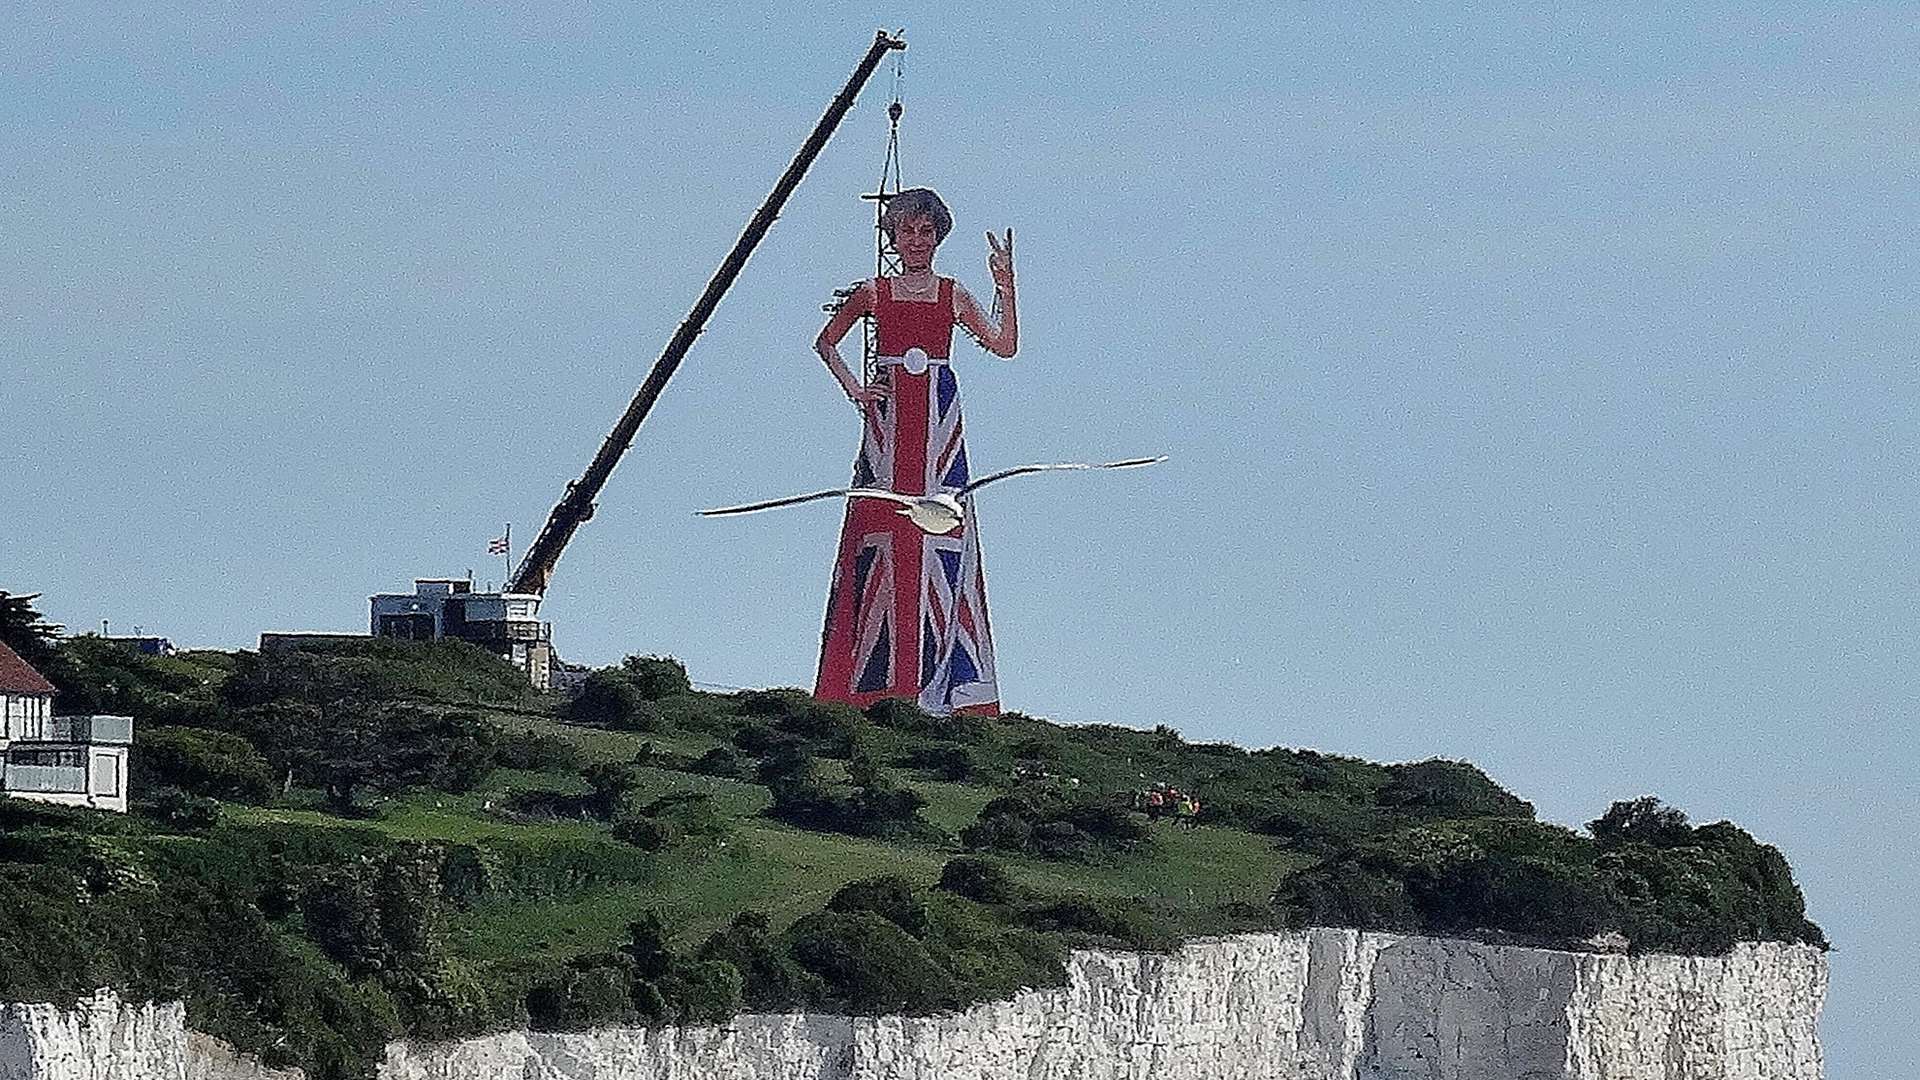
point(1317, 1005)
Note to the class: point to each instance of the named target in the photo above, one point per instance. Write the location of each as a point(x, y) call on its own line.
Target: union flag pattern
point(907, 612)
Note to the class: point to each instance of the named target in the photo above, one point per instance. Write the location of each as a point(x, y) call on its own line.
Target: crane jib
point(576, 504)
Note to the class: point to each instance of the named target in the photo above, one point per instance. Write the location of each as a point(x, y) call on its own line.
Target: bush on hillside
point(980, 880)
point(376, 669)
point(1053, 825)
point(876, 806)
point(829, 729)
point(1103, 921)
point(944, 761)
point(1547, 884)
point(588, 992)
point(212, 763)
point(609, 699)
point(891, 897)
point(609, 784)
point(869, 966)
point(352, 744)
point(656, 677)
point(173, 810)
point(722, 762)
point(1449, 789)
point(670, 819)
point(1645, 820)
point(771, 980)
point(534, 751)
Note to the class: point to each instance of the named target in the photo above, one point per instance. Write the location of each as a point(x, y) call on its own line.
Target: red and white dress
point(907, 612)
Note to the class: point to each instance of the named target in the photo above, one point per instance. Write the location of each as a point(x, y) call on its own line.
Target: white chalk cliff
point(1316, 1005)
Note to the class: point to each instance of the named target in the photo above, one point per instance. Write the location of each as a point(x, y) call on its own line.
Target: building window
point(73, 759)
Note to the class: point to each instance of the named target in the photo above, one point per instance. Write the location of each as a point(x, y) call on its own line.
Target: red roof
point(18, 677)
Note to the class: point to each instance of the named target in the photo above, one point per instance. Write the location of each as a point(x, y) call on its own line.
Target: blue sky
point(1540, 387)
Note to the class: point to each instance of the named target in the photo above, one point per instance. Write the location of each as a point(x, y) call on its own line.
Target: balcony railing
point(61, 779)
point(89, 729)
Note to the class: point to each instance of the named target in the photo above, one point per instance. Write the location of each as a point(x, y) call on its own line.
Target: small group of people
point(1165, 800)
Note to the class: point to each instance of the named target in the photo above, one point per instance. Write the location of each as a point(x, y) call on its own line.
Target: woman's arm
point(1003, 339)
point(828, 345)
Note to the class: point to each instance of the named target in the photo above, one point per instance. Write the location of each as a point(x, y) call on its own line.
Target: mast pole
point(576, 503)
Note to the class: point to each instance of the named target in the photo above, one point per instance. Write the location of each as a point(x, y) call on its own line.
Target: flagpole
point(507, 558)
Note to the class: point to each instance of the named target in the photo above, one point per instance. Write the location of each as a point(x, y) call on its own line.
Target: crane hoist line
point(576, 503)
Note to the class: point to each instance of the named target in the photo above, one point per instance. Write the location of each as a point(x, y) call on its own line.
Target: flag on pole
point(497, 546)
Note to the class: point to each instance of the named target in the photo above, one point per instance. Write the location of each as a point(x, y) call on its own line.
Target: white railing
point(88, 729)
point(63, 779)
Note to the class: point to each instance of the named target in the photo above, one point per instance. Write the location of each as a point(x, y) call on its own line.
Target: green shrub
point(877, 807)
point(609, 699)
point(645, 833)
point(656, 677)
point(535, 751)
point(771, 981)
point(1055, 826)
point(720, 761)
point(1453, 789)
point(610, 783)
point(1103, 920)
point(379, 669)
point(1348, 892)
point(891, 897)
point(946, 761)
point(869, 966)
point(669, 819)
point(980, 880)
point(350, 744)
point(178, 811)
point(702, 992)
point(591, 991)
point(213, 763)
point(1645, 820)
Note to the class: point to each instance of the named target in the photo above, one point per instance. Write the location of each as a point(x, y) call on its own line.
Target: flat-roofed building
point(503, 623)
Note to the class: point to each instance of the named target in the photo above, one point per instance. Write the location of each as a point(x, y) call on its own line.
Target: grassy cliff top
point(383, 838)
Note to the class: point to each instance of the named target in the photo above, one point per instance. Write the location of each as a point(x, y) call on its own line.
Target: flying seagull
point(937, 513)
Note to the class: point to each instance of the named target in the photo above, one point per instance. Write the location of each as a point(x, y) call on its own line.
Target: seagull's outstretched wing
point(1019, 470)
point(881, 493)
point(854, 493)
point(771, 503)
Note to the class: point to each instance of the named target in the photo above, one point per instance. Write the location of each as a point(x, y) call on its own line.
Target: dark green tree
point(25, 630)
point(609, 699)
point(656, 677)
point(215, 763)
point(352, 744)
point(1644, 820)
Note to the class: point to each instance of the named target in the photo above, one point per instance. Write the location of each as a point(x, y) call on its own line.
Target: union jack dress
point(907, 611)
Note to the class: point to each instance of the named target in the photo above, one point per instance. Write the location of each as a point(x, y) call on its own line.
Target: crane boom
point(576, 503)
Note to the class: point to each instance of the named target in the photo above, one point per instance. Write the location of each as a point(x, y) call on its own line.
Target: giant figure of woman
point(907, 611)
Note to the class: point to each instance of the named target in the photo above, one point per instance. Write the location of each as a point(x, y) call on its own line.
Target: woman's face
point(914, 238)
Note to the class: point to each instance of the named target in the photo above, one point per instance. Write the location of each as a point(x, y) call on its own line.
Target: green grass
point(763, 865)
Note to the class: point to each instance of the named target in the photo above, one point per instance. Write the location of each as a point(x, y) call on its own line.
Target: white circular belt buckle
point(915, 361)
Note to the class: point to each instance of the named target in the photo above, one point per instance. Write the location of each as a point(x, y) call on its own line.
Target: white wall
point(25, 715)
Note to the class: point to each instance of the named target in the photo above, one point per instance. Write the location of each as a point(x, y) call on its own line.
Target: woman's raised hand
point(867, 395)
point(1000, 260)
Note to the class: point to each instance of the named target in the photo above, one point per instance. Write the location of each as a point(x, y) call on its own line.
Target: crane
point(576, 503)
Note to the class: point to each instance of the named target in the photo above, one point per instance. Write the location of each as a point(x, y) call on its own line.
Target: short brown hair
point(918, 202)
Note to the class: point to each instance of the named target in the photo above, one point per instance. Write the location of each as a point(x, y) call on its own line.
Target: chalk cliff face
point(1317, 1005)
point(104, 1038)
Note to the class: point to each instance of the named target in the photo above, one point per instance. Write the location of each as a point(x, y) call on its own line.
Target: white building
point(503, 623)
point(75, 760)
